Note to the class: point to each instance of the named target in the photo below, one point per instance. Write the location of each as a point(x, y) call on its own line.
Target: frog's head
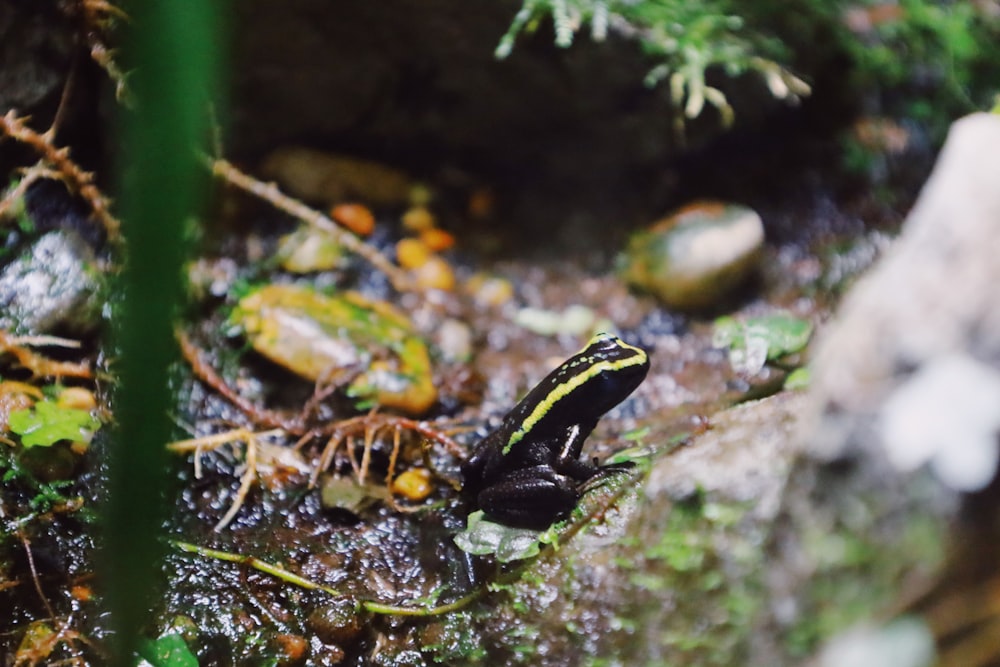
point(608, 370)
point(584, 387)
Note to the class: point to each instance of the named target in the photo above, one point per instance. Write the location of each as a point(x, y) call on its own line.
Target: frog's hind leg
point(532, 497)
point(603, 473)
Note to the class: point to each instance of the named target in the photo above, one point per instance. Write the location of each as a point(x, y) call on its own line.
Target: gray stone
point(907, 373)
point(932, 298)
point(744, 458)
point(51, 288)
point(694, 258)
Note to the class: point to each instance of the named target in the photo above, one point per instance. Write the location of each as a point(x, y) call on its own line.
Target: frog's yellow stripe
point(566, 388)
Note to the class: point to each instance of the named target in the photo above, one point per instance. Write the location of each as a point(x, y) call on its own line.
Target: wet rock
point(790, 518)
point(51, 288)
point(908, 374)
point(848, 535)
point(417, 84)
point(931, 309)
point(696, 257)
point(454, 340)
point(745, 456)
point(307, 250)
point(49, 464)
point(670, 574)
point(329, 178)
point(951, 399)
point(291, 649)
point(337, 623)
point(904, 643)
point(705, 510)
point(37, 54)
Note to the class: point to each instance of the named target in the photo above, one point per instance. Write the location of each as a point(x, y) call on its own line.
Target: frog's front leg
point(572, 444)
point(532, 497)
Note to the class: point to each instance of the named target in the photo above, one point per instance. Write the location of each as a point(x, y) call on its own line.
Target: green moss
point(455, 639)
point(856, 570)
point(702, 557)
point(951, 68)
point(691, 533)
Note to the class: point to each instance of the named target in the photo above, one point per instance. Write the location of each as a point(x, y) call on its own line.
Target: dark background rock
point(576, 147)
point(47, 73)
point(36, 47)
point(568, 137)
point(417, 82)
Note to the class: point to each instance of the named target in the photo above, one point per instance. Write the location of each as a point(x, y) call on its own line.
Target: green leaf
point(46, 423)
point(727, 332)
point(636, 435)
point(760, 339)
point(782, 332)
point(168, 651)
point(482, 537)
point(638, 455)
point(798, 379)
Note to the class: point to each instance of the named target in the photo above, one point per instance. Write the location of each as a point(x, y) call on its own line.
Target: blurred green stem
point(171, 54)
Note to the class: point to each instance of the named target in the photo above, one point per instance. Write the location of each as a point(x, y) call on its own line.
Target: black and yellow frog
point(528, 472)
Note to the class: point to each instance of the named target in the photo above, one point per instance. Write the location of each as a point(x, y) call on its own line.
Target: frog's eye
point(603, 343)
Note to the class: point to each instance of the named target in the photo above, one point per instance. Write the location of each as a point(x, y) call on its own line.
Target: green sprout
point(46, 423)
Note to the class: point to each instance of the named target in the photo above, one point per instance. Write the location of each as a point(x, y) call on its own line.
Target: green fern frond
point(684, 37)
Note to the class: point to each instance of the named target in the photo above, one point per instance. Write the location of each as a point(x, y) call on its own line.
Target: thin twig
point(28, 176)
point(302, 582)
point(366, 454)
point(204, 372)
point(344, 430)
point(34, 572)
point(79, 181)
point(44, 341)
point(95, 14)
point(390, 476)
point(391, 473)
point(199, 445)
point(256, 563)
point(246, 479)
point(65, 97)
point(271, 193)
point(39, 365)
point(217, 440)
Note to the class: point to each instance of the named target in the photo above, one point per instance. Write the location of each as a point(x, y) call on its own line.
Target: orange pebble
point(489, 290)
point(76, 397)
point(437, 239)
point(82, 592)
point(418, 219)
point(292, 647)
point(413, 484)
point(355, 217)
point(435, 273)
point(412, 253)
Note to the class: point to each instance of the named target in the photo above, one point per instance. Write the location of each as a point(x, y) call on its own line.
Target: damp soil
point(408, 558)
point(403, 555)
